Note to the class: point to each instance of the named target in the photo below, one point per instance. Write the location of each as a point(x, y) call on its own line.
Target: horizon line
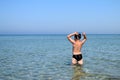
point(58, 34)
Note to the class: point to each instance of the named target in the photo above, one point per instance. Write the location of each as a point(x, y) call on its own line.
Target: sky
point(59, 16)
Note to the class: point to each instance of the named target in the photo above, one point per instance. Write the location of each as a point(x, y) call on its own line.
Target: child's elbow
point(68, 36)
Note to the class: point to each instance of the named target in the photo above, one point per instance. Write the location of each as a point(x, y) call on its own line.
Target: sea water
point(48, 57)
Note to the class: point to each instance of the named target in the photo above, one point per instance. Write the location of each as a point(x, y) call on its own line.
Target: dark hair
point(77, 36)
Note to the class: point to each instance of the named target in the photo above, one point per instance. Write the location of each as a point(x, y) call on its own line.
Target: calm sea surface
point(48, 57)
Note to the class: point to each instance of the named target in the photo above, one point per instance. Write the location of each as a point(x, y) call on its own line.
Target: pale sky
point(59, 16)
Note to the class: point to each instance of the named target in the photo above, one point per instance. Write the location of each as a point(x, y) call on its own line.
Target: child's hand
point(76, 33)
point(83, 33)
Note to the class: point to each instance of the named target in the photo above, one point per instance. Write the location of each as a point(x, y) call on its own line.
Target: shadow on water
point(78, 72)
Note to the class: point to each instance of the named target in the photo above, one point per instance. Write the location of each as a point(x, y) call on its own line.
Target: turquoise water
point(48, 57)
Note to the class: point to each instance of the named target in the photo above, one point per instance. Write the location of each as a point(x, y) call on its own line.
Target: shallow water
point(48, 57)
